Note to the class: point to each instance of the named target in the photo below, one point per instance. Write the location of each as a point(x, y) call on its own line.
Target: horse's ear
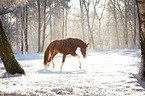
point(87, 44)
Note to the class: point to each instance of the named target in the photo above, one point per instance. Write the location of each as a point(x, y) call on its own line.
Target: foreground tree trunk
point(141, 13)
point(7, 55)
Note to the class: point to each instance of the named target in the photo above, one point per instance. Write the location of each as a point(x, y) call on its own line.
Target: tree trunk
point(50, 28)
point(7, 55)
point(126, 32)
point(50, 22)
point(66, 19)
point(82, 19)
point(39, 24)
point(89, 28)
point(88, 21)
point(26, 29)
point(116, 23)
point(122, 20)
point(141, 15)
point(63, 23)
point(17, 36)
point(44, 26)
point(134, 38)
point(22, 29)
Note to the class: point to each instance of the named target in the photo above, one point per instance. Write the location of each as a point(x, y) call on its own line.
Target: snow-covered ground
point(103, 73)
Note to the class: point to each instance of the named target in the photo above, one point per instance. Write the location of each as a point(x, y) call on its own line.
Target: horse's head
point(84, 49)
point(46, 64)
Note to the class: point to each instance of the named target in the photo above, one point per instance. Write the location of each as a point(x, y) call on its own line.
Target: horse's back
point(65, 46)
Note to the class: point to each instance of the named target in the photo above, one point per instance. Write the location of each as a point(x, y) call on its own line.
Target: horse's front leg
point(79, 61)
point(76, 55)
point(53, 64)
point(63, 60)
point(49, 60)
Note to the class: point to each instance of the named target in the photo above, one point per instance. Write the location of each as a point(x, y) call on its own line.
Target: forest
point(105, 24)
point(114, 29)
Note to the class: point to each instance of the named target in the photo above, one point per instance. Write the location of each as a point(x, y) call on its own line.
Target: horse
point(64, 46)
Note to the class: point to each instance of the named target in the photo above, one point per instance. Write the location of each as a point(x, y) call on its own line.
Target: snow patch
point(104, 73)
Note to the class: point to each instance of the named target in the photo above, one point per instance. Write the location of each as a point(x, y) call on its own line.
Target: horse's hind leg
point(63, 60)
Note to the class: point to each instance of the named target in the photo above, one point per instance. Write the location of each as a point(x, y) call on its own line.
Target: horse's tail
point(46, 55)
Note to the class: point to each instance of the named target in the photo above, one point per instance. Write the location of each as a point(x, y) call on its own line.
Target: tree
point(26, 28)
point(50, 22)
point(121, 13)
point(82, 18)
point(62, 23)
point(39, 25)
point(22, 28)
point(99, 17)
point(134, 38)
point(141, 15)
point(87, 5)
point(126, 32)
point(6, 53)
point(66, 19)
point(116, 23)
point(44, 26)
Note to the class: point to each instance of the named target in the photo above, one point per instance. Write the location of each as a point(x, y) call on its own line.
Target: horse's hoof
point(80, 67)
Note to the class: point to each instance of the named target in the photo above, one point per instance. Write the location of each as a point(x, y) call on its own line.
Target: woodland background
point(105, 24)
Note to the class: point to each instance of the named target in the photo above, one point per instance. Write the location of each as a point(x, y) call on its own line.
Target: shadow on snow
point(46, 71)
point(6, 75)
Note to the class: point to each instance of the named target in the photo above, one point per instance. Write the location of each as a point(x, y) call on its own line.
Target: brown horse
point(65, 47)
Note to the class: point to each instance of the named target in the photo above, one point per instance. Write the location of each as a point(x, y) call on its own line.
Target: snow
point(105, 73)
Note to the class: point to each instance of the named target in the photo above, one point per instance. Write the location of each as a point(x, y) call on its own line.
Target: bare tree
point(50, 20)
point(126, 32)
point(141, 12)
point(82, 18)
point(39, 24)
point(26, 28)
point(63, 23)
point(116, 23)
point(44, 26)
point(99, 17)
point(22, 29)
point(87, 5)
point(66, 19)
point(134, 38)
point(6, 53)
